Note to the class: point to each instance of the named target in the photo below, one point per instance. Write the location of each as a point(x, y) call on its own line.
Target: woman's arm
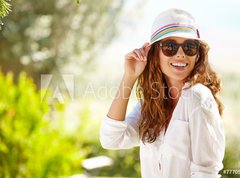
point(207, 139)
point(117, 110)
point(117, 130)
point(116, 134)
point(134, 65)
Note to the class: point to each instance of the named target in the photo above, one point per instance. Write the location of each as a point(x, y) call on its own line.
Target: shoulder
point(201, 103)
point(198, 93)
point(200, 98)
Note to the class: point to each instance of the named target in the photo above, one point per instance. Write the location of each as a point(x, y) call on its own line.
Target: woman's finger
point(146, 47)
point(132, 55)
point(145, 44)
point(137, 51)
point(143, 54)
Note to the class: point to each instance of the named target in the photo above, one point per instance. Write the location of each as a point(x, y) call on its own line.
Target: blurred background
point(60, 65)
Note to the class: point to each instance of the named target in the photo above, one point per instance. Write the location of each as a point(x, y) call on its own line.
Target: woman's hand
point(136, 61)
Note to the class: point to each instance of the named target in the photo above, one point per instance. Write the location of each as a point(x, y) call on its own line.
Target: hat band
point(173, 28)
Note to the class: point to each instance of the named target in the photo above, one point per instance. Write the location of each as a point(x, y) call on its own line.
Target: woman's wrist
point(129, 79)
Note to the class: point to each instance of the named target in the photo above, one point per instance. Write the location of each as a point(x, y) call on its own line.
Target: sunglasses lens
point(169, 48)
point(190, 47)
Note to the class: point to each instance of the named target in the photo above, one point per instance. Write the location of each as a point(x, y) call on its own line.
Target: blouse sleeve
point(207, 140)
point(121, 134)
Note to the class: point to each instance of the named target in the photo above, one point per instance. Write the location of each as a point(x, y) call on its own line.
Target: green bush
point(231, 159)
point(231, 98)
point(32, 143)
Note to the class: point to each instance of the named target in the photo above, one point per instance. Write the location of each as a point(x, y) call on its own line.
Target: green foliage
point(232, 155)
point(48, 36)
point(35, 141)
point(231, 97)
point(32, 142)
point(4, 8)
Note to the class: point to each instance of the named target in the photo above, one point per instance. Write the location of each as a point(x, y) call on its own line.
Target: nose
point(180, 53)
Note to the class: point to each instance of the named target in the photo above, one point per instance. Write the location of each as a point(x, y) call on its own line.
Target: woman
point(177, 121)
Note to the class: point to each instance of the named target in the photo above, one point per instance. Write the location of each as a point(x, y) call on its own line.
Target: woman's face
point(179, 66)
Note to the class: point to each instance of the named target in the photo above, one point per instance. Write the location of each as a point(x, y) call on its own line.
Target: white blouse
point(192, 147)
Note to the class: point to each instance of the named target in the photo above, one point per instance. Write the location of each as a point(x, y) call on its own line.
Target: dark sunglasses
point(170, 47)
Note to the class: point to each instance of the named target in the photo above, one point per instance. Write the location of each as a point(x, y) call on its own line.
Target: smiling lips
point(179, 65)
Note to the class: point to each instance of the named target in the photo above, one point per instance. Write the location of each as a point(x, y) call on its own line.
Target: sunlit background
point(60, 65)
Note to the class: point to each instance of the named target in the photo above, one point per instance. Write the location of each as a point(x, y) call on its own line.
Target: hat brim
point(182, 35)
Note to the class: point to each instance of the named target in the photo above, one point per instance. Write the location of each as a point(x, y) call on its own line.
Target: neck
point(175, 88)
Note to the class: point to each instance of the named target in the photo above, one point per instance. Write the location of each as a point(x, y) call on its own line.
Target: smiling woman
point(177, 121)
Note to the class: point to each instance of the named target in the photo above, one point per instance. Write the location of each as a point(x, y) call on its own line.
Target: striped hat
point(174, 23)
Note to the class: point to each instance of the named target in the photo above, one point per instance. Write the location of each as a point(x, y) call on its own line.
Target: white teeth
point(179, 64)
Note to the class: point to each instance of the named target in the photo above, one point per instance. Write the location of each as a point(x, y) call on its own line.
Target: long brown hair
point(152, 89)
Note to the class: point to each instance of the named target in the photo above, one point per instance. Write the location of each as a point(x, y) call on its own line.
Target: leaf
point(4, 8)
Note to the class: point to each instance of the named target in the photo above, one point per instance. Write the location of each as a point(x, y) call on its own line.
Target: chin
point(180, 78)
